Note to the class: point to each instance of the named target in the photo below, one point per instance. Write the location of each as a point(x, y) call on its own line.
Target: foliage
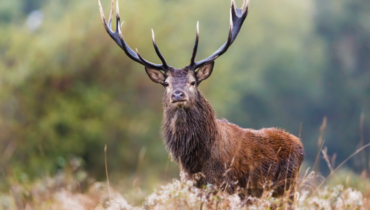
point(66, 89)
point(64, 192)
point(344, 28)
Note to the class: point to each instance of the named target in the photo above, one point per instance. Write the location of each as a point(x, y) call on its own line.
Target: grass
point(68, 191)
point(65, 192)
point(72, 189)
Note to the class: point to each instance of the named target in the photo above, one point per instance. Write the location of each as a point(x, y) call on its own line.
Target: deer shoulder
point(208, 150)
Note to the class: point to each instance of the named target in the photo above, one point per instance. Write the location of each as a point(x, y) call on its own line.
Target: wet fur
point(227, 155)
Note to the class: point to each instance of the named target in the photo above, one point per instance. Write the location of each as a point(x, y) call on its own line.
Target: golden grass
point(63, 192)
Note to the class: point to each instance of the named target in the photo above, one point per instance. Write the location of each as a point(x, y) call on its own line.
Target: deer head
point(181, 84)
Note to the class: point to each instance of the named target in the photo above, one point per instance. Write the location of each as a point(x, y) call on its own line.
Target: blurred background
point(66, 89)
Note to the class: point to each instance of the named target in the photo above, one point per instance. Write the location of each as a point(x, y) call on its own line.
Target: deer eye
point(192, 83)
point(165, 84)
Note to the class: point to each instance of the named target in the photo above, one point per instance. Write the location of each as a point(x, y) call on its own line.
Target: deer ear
point(205, 71)
point(155, 75)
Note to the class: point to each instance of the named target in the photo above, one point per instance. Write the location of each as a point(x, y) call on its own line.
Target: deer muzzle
point(178, 96)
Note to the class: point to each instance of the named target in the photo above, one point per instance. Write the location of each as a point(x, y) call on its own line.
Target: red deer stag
point(219, 152)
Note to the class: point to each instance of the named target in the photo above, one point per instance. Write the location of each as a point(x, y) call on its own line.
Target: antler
point(237, 17)
point(118, 38)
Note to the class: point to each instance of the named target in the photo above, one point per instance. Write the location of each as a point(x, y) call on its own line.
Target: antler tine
point(118, 38)
point(237, 17)
point(243, 5)
point(118, 18)
point(195, 49)
point(165, 66)
point(138, 54)
point(111, 13)
point(247, 3)
point(103, 16)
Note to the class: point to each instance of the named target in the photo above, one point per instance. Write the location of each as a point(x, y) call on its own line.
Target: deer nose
point(178, 95)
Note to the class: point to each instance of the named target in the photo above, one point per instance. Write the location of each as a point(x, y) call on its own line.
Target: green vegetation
point(66, 89)
point(64, 192)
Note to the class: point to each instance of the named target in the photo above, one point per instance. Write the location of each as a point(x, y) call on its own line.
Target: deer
point(209, 150)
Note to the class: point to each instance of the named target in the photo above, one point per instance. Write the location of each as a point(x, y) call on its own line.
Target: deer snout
point(178, 96)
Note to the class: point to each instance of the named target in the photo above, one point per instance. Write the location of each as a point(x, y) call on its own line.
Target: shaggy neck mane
point(189, 133)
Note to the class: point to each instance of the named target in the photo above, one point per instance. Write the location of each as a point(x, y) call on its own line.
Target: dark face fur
point(181, 84)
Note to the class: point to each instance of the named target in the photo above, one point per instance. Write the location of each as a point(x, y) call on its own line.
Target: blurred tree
point(66, 89)
point(344, 28)
point(9, 10)
point(29, 6)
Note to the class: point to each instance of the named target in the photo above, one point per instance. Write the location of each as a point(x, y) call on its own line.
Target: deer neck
point(189, 134)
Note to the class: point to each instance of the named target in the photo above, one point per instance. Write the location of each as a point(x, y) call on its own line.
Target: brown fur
point(223, 153)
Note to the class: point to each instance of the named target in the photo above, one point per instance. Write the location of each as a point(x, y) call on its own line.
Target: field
point(68, 92)
point(62, 192)
point(73, 189)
